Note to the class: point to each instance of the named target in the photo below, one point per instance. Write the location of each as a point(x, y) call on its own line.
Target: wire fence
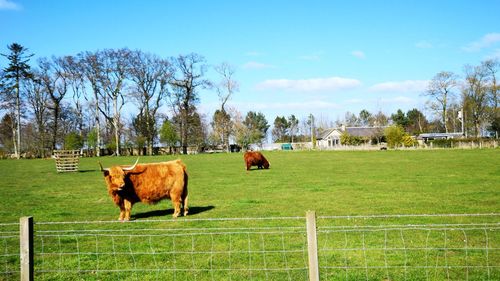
point(381, 247)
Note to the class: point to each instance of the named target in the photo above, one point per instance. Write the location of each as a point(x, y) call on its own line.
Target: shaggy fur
point(255, 158)
point(148, 183)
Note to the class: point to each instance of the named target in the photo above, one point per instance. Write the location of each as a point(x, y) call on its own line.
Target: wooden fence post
point(26, 248)
point(312, 246)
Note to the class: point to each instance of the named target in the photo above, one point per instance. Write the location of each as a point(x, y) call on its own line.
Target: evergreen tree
point(17, 71)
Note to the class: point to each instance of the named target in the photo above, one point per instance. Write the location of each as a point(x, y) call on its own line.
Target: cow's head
point(115, 176)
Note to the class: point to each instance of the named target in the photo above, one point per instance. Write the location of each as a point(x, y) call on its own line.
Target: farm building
point(423, 138)
point(331, 138)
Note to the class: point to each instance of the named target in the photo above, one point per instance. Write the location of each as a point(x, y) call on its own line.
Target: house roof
point(439, 135)
point(353, 131)
point(364, 131)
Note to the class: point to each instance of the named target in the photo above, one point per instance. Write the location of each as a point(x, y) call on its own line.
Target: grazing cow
point(147, 183)
point(255, 158)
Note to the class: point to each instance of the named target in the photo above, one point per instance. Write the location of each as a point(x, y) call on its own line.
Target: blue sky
point(291, 57)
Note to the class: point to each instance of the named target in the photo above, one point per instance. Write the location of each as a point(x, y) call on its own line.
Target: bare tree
point(440, 90)
point(76, 81)
point(92, 70)
point(150, 75)
point(55, 83)
point(293, 124)
point(222, 124)
point(38, 101)
point(475, 92)
point(492, 66)
point(112, 80)
point(190, 70)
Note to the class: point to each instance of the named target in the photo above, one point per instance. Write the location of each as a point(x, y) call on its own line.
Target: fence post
point(26, 248)
point(312, 246)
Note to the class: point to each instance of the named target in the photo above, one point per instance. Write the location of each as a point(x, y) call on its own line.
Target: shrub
point(73, 141)
point(394, 135)
point(408, 141)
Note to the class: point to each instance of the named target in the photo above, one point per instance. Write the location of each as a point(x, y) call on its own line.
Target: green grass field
point(336, 183)
point(332, 183)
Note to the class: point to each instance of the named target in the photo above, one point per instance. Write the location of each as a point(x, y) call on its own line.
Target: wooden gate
point(67, 160)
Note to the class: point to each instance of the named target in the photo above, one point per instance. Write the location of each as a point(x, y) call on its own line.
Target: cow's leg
point(128, 206)
point(122, 210)
point(185, 204)
point(176, 202)
point(122, 213)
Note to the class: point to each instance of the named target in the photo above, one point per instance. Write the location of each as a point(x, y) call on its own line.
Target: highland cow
point(255, 158)
point(147, 183)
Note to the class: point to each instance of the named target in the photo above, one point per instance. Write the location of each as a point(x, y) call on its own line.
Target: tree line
point(80, 101)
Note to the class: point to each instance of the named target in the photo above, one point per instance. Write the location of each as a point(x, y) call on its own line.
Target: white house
point(331, 137)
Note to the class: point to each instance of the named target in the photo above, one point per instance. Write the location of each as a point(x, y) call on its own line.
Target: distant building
point(438, 136)
point(331, 137)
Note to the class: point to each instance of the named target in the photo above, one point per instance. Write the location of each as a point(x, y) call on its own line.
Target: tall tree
point(417, 123)
point(242, 133)
point(196, 130)
point(350, 119)
point(492, 67)
point(222, 126)
point(280, 129)
point(92, 67)
point(55, 82)
point(116, 65)
point(168, 135)
point(222, 123)
point(75, 74)
point(380, 119)
point(399, 118)
point(475, 93)
point(440, 90)
point(188, 78)
point(257, 126)
point(14, 74)
point(365, 118)
point(38, 101)
point(150, 76)
point(293, 124)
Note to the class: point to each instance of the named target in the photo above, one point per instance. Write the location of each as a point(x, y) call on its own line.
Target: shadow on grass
point(169, 212)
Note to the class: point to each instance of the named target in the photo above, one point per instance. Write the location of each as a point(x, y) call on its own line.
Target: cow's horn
point(133, 166)
point(102, 169)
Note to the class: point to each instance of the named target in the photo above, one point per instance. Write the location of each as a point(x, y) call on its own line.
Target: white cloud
point(356, 101)
point(486, 41)
point(423, 45)
point(358, 54)
point(9, 5)
point(283, 106)
point(401, 86)
point(398, 100)
point(257, 65)
point(309, 85)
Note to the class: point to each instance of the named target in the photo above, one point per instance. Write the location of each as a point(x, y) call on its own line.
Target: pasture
point(334, 184)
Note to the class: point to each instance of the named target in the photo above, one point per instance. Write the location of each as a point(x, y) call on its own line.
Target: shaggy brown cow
point(255, 158)
point(147, 183)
